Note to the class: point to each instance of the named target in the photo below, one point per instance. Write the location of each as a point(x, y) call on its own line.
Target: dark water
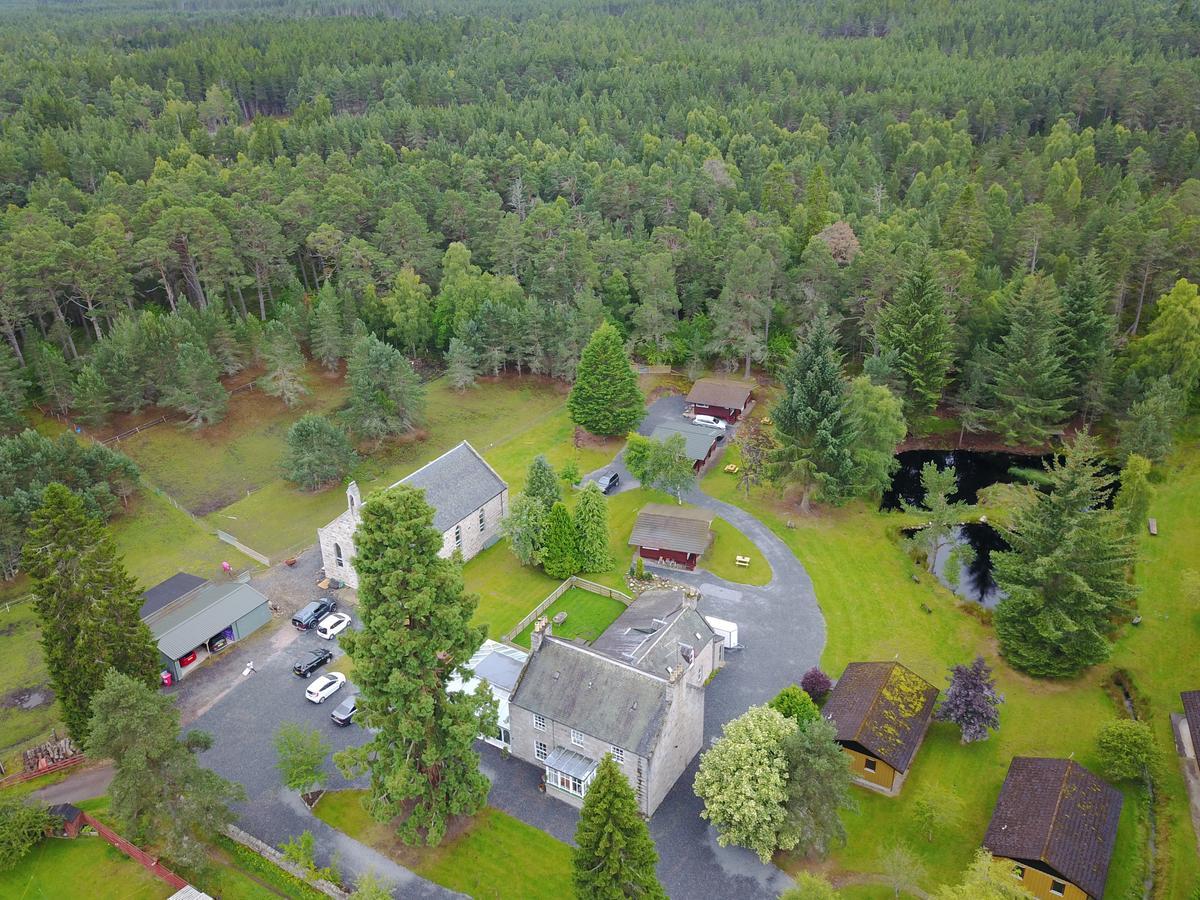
point(975, 581)
point(976, 469)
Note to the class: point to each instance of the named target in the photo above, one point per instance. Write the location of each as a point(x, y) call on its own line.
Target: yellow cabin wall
point(884, 775)
point(1038, 883)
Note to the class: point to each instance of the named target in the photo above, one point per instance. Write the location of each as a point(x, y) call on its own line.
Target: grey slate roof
point(178, 585)
point(456, 484)
point(1191, 710)
point(568, 761)
point(500, 670)
point(593, 693)
point(648, 634)
point(698, 440)
point(721, 392)
point(1056, 812)
point(884, 707)
point(667, 527)
point(182, 626)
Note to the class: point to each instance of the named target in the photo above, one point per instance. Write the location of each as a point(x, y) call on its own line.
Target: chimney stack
point(541, 628)
point(689, 598)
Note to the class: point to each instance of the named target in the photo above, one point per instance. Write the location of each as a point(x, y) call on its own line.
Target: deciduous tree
point(22, 827)
point(1133, 498)
point(816, 683)
point(794, 703)
point(818, 787)
point(301, 756)
point(972, 701)
point(664, 465)
point(942, 515)
point(876, 417)
point(1127, 749)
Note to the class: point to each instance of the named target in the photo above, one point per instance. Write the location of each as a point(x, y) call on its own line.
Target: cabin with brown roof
point(673, 535)
point(1057, 823)
point(881, 711)
point(721, 397)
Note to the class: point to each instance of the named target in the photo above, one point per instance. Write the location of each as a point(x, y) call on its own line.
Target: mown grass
point(588, 615)
point(721, 558)
point(495, 857)
point(58, 868)
point(874, 610)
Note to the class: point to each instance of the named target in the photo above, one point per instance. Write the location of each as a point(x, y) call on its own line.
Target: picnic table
point(743, 561)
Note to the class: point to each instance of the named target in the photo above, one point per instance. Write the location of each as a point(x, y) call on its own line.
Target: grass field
point(873, 611)
point(496, 857)
point(21, 669)
point(58, 868)
point(721, 558)
point(588, 615)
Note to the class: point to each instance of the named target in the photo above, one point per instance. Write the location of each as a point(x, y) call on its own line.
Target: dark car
point(608, 482)
point(344, 714)
point(313, 613)
point(306, 665)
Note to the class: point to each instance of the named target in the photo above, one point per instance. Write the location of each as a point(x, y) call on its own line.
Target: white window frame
point(869, 765)
point(539, 722)
point(1055, 881)
point(618, 753)
point(576, 738)
point(540, 750)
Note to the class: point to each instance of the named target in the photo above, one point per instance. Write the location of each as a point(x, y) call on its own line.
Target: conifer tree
point(1065, 575)
point(605, 398)
point(88, 605)
point(591, 530)
point(614, 857)
point(524, 527)
point(1149, 429)
point(559, 559)
point(281, 355)
point(92, 405)
point(541, 482)
point(12, 393)
point(196, 390)
point(327, 337)
point(916, 327)
point(386, 396)
point(416, 631)
point(1133, 498)
point(53, 376)
point(461, 364)
point(318, 452)
point(1088, 328)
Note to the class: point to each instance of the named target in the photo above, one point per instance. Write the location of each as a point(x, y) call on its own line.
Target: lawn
point(21, 668)
point(588, 615)
point(58, 868)
point(721, 558)
point(493, 858)
point(874, 610)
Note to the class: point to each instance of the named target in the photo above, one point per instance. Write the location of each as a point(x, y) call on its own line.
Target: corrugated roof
point(571, 763)
point(456, 484)
point(1191, 711)
point(593, 693)
point(178, 585)
point(651, 630)
point(721, 392)
point(182, 626)
point(883, 706)
point(666, 527)
point(1057, 812)
point(698, 440)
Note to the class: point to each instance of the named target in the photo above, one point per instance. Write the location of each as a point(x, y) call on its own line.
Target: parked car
point(608, 482)
point(332, 626)
point(344, 714)
point(325, 686)
point(308, 664)
point(712, 422)
point(187, 659)
point(313, 613)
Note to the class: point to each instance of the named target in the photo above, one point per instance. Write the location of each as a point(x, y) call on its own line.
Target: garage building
point(188, 615)
point(673, 535)
point(721, 397)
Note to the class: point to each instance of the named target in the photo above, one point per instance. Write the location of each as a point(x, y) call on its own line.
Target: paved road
point(78, 786)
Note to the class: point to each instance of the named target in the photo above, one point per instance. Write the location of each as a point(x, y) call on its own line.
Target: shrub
point(816, 683)
point(794, 703)
point(1127, 749)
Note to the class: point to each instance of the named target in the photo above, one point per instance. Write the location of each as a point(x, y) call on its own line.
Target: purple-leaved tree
point(972, 702)
point(816, 683)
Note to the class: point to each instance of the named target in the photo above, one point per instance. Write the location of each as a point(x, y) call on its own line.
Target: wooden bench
point(743, 561)
point(1153, 526)
point(732, 469)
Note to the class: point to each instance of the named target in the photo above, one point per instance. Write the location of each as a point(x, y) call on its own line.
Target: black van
point(312, 614)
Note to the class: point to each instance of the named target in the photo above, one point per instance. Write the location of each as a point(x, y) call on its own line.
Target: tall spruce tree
point(559, 557)
point(1028, 389)
point(1088, 329)
point(614, 857)
point(605, 398)
point(327, 337)
point(541, 482)
point(591, 530)
point(87, 604)
point(416, 632)
point(1066, 574)
point(815, 435)
point(916, 326)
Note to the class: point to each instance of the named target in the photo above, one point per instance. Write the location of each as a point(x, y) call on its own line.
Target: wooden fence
point(21, 777)
point(234, 542)
point(573, 581)
point(137, 854)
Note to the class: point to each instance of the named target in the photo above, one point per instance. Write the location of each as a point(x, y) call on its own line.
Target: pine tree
point(614, 857)
point(1065, 575)
point(416, 631)
point(1088, 328)
point(743, 310)
point(461, 365)
point(541, 482)
point(1027, 387)
point(559, 559)
point(591, 530)
point(318, 452)
point(12, 393)
point(327, 337)
point(196, 389)
point(605, 398)
point(88, 605)
point(816, 205)
point(916, 327)
point(386, 397)
point(284, 362)
point(818, 788)
point(92, 405)
point(53, 376)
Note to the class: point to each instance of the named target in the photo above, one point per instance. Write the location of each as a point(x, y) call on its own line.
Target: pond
point(971, 552)
point(976, 469)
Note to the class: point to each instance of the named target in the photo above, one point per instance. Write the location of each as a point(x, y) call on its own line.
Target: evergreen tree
point(559, 556)
point(1133, 498)
point(591, 530)
point(525, 526)
point(386, 397)
point(284, 362)
point(92, 405)
point(53, 376)
point(614, 857)
point(815, 436)
point(196, 389)
point(318, 452)
point(1088, 329)
point(1027, 387)
point(88, 605)
point(1065, 575)
point(816, 205)
point(818, 788)
point(1149, 429)
point(541, 482)
point(416, 631)
point(327, 337)
point(743, 310)
point(916, 327)
point(461, 365)
point(657, 311)
point(12, 393)
point(605, 398)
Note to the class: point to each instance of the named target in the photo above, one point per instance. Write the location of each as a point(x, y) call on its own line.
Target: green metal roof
point(188, 623)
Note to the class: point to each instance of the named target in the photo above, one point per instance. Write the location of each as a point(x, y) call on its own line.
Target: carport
point(188, 614)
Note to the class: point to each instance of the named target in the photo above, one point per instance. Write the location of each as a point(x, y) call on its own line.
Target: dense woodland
point(990, 205)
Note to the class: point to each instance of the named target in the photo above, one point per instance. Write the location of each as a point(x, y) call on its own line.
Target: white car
point(325, 686)
point(332, 626)
point(710, 422)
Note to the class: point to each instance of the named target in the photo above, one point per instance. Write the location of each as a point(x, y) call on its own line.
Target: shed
point(71, 820)
point(724, 398)
point(202, 620)
point(698, 440)
point(672, 534)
